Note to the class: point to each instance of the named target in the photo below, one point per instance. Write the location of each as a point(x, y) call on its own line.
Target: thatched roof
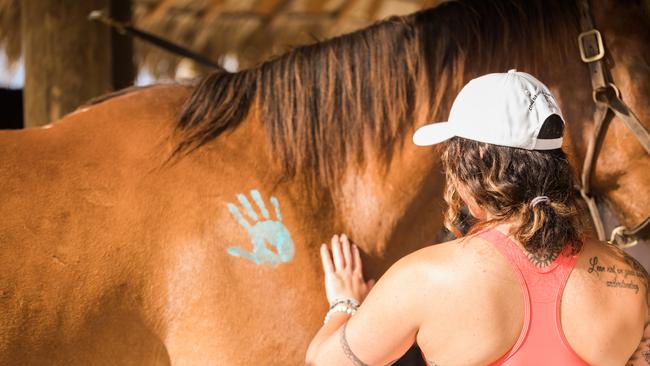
point(246, 30)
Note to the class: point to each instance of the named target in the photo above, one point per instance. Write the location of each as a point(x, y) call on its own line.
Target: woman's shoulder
point(605, 265)
point(470, 249)
point(464, 271)
point(452, 263)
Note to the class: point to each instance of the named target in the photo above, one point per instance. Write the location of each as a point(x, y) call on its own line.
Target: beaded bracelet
point(345, 300)
point(348, 306)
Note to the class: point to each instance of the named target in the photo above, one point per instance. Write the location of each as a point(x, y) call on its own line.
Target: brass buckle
point(594, 93)
point(601, 48)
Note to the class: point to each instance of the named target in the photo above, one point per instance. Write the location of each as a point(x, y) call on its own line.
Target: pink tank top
point(542, 341)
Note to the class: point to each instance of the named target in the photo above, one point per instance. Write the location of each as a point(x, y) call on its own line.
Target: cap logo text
point(534, 98)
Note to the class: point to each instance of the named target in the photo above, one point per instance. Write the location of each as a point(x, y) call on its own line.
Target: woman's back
point(522, 299)
point(480, 314)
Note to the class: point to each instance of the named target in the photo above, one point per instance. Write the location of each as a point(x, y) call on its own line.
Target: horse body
point(108, 258)
point(111, 255)
point(74, 239)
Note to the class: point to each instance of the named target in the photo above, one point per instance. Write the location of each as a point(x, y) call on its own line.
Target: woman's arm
point(386, 323)
point(343, 280)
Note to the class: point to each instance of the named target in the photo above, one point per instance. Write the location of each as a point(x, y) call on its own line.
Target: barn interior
point(67, 58)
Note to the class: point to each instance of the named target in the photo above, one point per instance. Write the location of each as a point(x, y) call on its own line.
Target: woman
point(525, 287)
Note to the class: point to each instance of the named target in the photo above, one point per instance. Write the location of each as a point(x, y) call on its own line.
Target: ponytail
point(531, 189)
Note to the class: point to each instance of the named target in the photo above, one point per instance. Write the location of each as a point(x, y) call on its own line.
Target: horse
point(180, 223)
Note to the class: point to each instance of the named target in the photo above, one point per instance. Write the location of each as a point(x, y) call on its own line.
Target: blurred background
point(53, 58)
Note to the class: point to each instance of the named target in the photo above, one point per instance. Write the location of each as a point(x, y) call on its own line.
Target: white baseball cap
point(506, 109)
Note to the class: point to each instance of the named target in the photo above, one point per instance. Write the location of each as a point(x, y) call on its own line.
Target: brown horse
point(114, 253)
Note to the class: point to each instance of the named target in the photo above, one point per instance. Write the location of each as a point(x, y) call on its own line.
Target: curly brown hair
point(503, 181)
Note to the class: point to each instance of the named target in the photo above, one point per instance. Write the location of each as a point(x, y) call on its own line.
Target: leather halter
point(608, 102)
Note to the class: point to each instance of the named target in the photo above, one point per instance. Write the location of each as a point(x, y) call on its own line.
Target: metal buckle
point(594, 93)
point(621, 240)
point(601, 48)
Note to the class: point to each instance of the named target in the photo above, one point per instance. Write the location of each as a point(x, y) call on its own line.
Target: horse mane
point(321, 102)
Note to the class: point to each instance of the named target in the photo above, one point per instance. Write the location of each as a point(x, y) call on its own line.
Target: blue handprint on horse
point(262, 231)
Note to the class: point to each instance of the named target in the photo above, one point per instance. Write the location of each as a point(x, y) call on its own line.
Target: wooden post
point(67, 57)
point(124, 70)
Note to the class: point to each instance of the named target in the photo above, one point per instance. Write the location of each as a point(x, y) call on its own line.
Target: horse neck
point(629, 48)
point(389, 209)
point(620, 175)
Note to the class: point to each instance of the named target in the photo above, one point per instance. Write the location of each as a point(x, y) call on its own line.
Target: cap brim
point(433, 134)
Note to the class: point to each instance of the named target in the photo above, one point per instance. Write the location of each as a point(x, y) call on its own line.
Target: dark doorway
point(11, 105)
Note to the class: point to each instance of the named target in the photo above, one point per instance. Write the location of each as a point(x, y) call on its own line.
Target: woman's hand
point(343, 271)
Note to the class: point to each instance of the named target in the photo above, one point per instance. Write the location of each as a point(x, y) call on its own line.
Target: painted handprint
point(262, 231)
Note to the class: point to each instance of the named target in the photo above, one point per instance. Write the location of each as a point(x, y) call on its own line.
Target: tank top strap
point(504, 245)
point(542, 290)
point(512, 254)
point(562, 264)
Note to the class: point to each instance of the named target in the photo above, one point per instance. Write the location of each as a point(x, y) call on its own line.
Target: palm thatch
point(248, 31)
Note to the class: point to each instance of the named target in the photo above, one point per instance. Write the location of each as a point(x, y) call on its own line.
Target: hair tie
point(539, 199)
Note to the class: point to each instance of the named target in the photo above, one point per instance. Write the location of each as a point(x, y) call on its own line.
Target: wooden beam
point(67, 57)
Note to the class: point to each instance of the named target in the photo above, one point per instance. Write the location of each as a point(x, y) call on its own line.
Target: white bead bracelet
point(340, 307)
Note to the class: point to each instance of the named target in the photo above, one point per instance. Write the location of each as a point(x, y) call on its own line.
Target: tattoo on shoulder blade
point(431, 363)
point(633, 278)
point(346, 348)
point(640, 271)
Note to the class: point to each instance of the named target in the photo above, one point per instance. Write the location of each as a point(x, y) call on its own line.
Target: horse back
point(122, 256)
point(68, 259)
